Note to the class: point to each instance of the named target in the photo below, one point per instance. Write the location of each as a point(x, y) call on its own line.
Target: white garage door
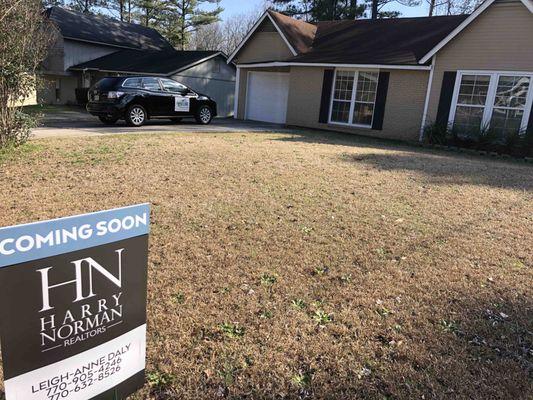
point(266, 96)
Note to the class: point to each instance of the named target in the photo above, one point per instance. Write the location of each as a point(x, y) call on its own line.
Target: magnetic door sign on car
point(182, 104)
point(73, 306)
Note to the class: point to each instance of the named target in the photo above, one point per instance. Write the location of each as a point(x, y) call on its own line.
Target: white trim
point(237, 89)
point(101, 43)
point(464, 24)
point(254, 28)
point(118, 72)
point(488, 107)
point(426, 102)
point(333, 65)
point(196, 63)
point(352, 100)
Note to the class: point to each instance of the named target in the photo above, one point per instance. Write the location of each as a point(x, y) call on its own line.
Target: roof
point(396, 41)
point(157, 62)
point(99, 29)
point(298, 33)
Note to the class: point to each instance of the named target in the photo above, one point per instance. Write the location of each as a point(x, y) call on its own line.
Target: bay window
point(353, 98)
point(499, 101)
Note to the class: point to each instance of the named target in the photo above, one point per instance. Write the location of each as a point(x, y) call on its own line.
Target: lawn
point(310, 265)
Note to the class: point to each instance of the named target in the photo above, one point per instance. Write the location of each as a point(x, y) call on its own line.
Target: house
point(389, 78)
point(89, 47)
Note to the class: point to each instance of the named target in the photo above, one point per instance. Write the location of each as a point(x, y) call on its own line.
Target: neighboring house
point(90, 47)
point(391, 77)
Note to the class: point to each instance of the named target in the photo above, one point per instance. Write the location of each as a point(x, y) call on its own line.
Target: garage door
point(266, 96)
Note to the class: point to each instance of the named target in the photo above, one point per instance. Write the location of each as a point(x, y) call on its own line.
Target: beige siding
point(403, 109)
point(266, 44)
point(501, 38)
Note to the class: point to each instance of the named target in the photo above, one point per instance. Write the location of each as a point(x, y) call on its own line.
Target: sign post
point(73, 306)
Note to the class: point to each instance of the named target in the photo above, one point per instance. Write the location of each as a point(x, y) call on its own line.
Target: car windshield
point(106, 84)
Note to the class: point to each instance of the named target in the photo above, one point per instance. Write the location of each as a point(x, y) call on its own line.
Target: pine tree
point(87, 6)
point(321, 10)
point(148, 12)
point(180, 18)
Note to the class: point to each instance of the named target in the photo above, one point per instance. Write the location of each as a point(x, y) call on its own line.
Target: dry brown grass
point(310, 265)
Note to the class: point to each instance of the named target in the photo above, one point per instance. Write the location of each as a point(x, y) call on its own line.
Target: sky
point(232, 7)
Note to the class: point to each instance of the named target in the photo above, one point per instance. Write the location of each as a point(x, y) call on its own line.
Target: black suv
point(139, 98)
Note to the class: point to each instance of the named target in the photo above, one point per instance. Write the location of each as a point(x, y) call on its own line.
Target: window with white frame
point(354, 97)
point(500, 101)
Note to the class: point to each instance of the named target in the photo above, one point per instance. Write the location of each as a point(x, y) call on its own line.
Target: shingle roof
point(384, 41)
point(298, 33)
point(99, 29)
point(159, 62)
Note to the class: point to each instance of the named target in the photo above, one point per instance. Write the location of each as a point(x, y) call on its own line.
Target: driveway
point(75, 121)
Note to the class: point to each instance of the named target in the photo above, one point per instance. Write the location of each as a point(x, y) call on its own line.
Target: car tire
point(136, 115)
point(108, 120)
point(204, 115)
point(176, 120)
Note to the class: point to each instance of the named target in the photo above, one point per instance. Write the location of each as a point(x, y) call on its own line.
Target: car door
point(182, 97)
point(158, 101)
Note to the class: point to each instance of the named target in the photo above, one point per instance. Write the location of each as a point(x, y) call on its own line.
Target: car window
point(132, 83)
point(151, 84)
point(173, 86)
point(106, 84)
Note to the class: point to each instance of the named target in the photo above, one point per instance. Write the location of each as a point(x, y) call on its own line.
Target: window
point(173, 86)
point(132, 83)
point(500, 101)
point(354, 96)
point(151, 84)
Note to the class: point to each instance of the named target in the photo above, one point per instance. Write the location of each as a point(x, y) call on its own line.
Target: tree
point(25, 35)
point(149, 12)
point(454, 7)
point(87, 6)
point(224, 36)
point(321, 10)
point(180, 18)
point(124, 9)
point(376, 7)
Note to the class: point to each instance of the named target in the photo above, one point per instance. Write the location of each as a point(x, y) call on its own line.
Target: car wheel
point(108, 120)
point(176, 120)
point(136, 115)
point(204, 115)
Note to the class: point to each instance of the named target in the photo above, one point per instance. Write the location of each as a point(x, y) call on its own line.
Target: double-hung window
point(353, 98)
point(499, 101)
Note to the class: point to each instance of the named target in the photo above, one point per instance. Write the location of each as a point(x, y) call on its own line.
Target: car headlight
point(115, 95)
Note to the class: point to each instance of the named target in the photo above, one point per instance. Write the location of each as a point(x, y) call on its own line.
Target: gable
point(500, 38)
point(488, 7)
point(265, 44)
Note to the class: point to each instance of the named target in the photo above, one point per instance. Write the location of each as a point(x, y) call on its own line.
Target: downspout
point(426, 103)
point(236, 99)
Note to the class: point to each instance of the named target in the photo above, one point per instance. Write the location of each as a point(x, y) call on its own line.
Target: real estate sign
point(73, 306)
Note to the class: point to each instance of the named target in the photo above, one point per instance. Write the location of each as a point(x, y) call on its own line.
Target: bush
point(25, 35)
point(518, 144)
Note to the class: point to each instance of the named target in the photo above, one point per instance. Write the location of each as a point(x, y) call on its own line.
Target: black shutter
point(381, 99)
point(445, 100)
point(326, 96)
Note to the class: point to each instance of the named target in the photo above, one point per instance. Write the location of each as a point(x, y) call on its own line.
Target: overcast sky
point(232, 7)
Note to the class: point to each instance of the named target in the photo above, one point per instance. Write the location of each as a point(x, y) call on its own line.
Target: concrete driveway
point(74, 121)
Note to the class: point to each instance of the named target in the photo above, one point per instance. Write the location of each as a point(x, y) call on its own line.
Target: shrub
point(25, 35)
point(482, 138)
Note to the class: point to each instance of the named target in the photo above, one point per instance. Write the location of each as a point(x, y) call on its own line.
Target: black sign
point(73, 306)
